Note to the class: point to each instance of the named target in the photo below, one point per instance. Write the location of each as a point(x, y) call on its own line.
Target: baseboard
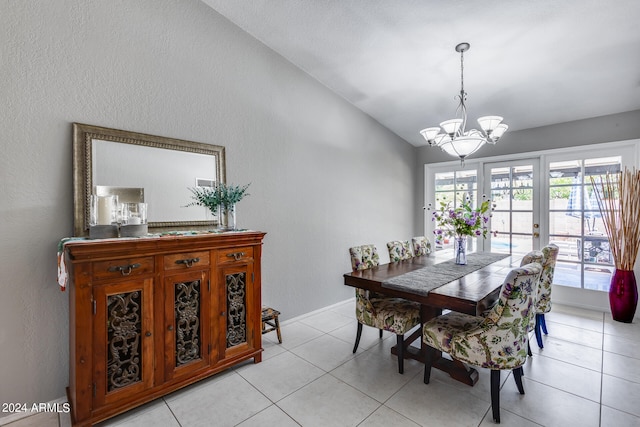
point(320, 310)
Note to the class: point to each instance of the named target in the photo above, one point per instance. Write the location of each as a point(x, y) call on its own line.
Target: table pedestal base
point(456, 369)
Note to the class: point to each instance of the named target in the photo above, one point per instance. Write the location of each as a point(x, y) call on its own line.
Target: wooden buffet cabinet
point(148, 316)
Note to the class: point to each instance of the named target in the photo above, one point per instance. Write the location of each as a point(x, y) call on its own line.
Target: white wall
point(324, 176)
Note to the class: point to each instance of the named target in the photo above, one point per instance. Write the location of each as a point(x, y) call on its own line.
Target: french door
point(514, 190)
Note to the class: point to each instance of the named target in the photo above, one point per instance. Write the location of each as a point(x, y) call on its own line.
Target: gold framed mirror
point(164, 167)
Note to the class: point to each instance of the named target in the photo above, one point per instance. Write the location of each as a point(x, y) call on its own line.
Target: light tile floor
point(588, 374)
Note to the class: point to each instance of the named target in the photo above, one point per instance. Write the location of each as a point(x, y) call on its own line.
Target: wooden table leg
point(456, 369)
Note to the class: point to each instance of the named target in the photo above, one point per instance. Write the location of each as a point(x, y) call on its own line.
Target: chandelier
point(454, 139)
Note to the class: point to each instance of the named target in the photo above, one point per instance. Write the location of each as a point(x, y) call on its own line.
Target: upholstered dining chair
point(543, 299)
point(497, 340)
point(379, 311)
point(399, 250)
point(421, 246)
point(533, 256)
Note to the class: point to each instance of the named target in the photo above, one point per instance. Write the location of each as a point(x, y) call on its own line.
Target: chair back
point(399, 250)
point(364, 257)
point(421, 246)
point(543, 300)
point(533, 256)
point(504, 332)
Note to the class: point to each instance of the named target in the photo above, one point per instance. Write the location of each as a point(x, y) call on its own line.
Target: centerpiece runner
point(426, 279)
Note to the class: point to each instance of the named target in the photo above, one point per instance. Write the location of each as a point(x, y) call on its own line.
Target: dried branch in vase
point(618, 197)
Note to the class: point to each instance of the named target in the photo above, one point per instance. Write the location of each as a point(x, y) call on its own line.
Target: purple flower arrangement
point(461, 221)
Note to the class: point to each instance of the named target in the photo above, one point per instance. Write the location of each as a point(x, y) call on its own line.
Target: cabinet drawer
point(186, 260)
point(117, 268)
point(235, 254)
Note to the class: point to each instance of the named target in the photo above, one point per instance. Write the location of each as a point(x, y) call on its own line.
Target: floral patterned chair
point(421, 246)
point(399, 250)
point(533, 256)
point(543, 300)
point(384, 313)
point(497, 340)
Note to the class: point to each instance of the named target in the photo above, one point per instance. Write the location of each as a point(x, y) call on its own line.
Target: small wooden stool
point(270, 317)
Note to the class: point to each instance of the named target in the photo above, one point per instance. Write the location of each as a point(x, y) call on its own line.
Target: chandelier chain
point(462, 72)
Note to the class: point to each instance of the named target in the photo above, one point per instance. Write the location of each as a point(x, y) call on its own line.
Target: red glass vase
point(623, 295)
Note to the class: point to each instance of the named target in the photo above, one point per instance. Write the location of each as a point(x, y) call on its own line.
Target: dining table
point(438, 283)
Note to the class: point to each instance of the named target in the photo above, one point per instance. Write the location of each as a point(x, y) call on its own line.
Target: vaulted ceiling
point(534, 62)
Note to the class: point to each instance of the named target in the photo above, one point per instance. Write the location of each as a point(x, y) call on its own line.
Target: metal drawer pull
point(236, 255)
point(188, 262)
point(125, 270)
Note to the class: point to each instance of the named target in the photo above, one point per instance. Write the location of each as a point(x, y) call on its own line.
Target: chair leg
point(358, 334)
point(537, 331)
point(543, 323)
point(517, 375)
point(277, 322)
point(430, 353)
point(380, 333)
point(495, 395)
point(529, 348)
point(400, 347)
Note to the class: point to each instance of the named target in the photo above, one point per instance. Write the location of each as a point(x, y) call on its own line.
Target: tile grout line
point(602, 370)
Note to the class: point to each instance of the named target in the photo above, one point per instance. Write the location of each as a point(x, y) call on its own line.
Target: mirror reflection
point(164, 167)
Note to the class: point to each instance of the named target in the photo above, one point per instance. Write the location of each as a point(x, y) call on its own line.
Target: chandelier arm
point(462, 108)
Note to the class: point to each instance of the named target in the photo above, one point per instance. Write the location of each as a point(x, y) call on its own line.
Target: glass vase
point(460, 250)
point(227, 218)
point(623, 295)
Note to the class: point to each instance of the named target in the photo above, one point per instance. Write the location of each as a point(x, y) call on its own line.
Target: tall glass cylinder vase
point(460, 250)
point(227, 218)
point(623, 295)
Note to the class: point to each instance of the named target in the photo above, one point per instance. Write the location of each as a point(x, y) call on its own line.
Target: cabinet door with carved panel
point(187, 321)
point(123, 340)
point(238, 303)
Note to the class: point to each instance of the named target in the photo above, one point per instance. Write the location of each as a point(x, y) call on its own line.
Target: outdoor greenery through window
point(575, 222)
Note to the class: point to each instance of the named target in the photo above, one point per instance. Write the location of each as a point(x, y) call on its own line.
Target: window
point(575, 223)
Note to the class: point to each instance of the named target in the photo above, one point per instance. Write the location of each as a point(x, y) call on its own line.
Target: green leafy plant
point(220, 195)
point(461, 221)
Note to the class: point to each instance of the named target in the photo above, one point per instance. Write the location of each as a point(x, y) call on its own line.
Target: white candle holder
point(134, 220)
point(103, 217)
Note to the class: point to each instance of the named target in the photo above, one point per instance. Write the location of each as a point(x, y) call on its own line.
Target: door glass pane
point(500, 222)
point(522, 199)
point(512, 194)
point(455, 187)
point(522, 222)
point(521, 245)
point(444, 181)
